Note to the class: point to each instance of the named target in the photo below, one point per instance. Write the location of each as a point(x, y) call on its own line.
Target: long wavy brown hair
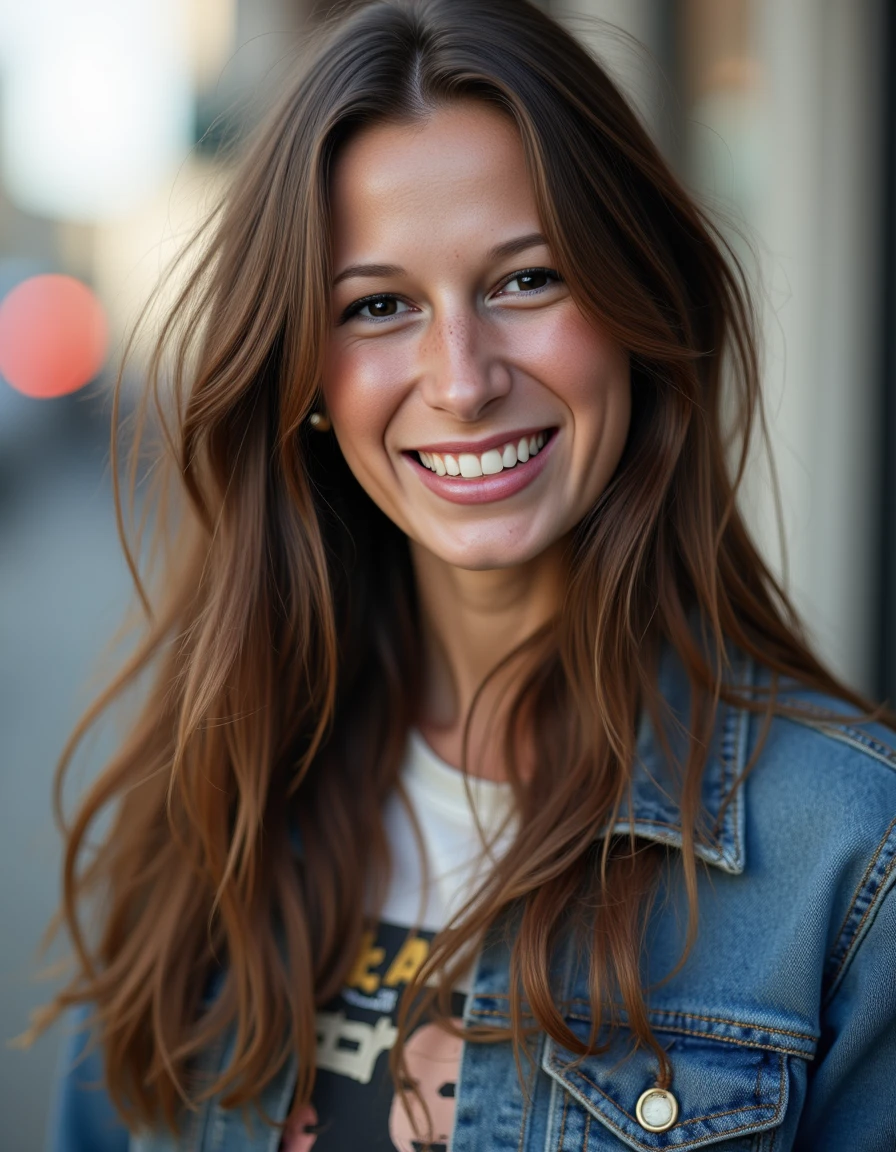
point(283, 648)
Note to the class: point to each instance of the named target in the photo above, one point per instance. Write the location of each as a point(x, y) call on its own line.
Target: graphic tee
point(353, 1104)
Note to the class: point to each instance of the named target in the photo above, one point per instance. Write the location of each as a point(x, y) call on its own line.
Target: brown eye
point(529, 281)
point(376, 308)
point(387, 307)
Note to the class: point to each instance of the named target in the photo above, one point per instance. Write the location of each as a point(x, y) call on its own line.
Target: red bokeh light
point(53, 336)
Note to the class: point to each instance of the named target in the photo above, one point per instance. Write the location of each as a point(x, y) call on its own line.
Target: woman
point(461, 587)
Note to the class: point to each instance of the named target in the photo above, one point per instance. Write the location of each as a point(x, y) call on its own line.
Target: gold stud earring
point(319, 422)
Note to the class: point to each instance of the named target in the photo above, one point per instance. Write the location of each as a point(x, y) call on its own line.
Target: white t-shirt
point(447, 806)
point(353, 1104)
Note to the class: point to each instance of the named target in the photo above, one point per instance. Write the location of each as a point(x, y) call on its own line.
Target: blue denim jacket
point(781, 1026)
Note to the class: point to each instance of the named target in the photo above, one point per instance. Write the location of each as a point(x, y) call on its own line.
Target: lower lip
point(485, 489)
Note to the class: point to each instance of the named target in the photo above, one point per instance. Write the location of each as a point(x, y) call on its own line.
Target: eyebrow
point(498, 252)
point(375, 270)
point(514, 247)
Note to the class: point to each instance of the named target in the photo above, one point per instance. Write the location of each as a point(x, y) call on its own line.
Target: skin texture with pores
point(443, 335)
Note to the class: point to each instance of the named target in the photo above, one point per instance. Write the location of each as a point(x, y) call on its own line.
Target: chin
point(490, 557)
point(485, 563)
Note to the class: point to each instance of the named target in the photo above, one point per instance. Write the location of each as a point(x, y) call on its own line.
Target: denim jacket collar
point(652, 811)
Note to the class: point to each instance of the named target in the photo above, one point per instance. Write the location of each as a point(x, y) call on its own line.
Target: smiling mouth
point(472, 466)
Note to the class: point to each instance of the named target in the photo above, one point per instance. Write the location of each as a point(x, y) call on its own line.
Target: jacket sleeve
point(82, 1118)
point(850, 1101)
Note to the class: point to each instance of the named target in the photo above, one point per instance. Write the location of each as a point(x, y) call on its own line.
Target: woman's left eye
point(376, 308)
point(532, 280)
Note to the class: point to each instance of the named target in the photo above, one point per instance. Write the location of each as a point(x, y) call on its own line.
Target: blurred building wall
point(819, 216)
point(772, 113)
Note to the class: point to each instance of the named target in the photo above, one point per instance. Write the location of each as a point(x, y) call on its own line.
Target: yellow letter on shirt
point(406, 964)
point(368, 957)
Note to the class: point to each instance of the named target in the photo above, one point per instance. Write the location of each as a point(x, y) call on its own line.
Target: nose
point(462, 372)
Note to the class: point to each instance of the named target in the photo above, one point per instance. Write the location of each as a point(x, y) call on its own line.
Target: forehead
point(457, 176)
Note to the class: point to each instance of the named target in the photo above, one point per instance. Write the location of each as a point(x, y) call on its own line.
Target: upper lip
point(477, 447)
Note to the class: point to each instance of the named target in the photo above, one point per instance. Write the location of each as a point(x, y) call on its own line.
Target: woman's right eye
point(376, 308)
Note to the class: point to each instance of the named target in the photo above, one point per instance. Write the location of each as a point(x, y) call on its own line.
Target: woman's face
point(472, 399)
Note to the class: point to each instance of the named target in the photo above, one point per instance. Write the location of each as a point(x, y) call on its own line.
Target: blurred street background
point(115, 120)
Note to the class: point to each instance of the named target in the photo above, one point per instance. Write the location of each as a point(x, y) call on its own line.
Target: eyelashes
point(385, 306)
point(546, 274)
point(390, 305)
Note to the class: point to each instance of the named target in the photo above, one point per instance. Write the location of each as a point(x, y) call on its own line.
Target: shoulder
point(820, 807)
point(811, 780)
point(821, 759)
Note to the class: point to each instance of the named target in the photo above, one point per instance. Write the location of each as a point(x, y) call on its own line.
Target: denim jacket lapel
point(652, 812)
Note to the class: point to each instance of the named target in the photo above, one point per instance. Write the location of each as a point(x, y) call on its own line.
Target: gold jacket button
point(657, 1109)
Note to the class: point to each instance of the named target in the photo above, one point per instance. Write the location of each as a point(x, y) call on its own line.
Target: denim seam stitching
point(661, 1012)
point(712, 1020)
point(734, 807)
point(776, 1048)
point(765, 1046)
point(587, 1135)
point(856, 896)
point(707, 840)
point(733, 747)
point(704, 1139)
point(847, 734)
point(734, 793)
point(563, 1122)
point(525, 1113)
point(553, 1109)
point(734, 1023)
point(731, 741)
point(873, 902)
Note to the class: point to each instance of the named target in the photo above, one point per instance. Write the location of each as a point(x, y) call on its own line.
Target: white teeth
point(491, 462)
point(488, 463)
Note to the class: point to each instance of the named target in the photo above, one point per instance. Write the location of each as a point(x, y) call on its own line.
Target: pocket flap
point(723, 1089)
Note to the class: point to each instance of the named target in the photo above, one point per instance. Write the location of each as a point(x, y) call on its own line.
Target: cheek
point(362, 388)
point(584, 368)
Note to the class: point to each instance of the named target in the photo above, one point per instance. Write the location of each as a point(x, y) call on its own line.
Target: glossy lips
point(481, 477)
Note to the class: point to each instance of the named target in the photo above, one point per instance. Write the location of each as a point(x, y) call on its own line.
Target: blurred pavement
point(63, 589)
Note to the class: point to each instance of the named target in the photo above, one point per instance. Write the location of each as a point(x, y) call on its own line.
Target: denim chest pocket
point(730, 1088)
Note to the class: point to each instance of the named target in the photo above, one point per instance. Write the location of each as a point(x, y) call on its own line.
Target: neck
point(471, 622)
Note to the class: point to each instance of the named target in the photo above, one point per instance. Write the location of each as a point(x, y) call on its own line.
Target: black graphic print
point(354, 1105)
